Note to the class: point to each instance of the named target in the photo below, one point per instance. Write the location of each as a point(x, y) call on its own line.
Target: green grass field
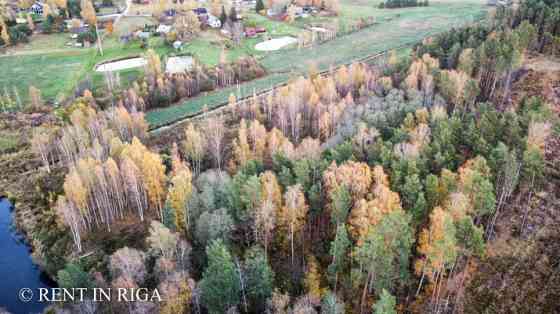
point(55, 74)
point(47, 63)
point(208, 47)
point(274, 28)
point(405, 26)
point(128, 24)
point(412, 25)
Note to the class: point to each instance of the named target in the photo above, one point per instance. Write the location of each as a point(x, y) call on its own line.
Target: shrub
point(89, 36)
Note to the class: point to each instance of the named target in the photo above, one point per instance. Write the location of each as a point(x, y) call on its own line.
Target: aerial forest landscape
point(279, 156)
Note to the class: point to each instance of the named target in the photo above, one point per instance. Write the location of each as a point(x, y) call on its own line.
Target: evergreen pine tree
point(169, 216)
point(233, 14)
point(338, 251)
point(259, 279)
point(386, 304)
point(220, 284)
point(223, 16)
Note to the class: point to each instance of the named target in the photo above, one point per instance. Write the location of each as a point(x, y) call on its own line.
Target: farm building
point(213, 21)
point(298, 10)
point(73, 24)
point(178, 64)
point(254, 31)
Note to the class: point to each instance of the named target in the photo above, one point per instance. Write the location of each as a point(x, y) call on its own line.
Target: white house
point(214, 22)
point(163, 29)
point(142, 35)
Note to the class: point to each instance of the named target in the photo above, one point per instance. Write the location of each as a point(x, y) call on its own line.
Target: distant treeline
point(403, 3)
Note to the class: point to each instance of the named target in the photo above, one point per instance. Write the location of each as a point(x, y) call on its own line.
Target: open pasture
point(55, 74)
point(55, 69)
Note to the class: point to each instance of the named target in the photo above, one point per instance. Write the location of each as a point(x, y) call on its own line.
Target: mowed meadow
point(54, 73)
point(56, 69)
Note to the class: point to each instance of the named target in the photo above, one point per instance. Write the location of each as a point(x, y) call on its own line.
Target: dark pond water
point(17, 270)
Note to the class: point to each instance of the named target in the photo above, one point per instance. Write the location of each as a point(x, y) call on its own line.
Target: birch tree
point(129, 262)
point(162, 240)
point(194, 147)
point(271, 201)
point(437, 247)
point(214, 130)
point(41, 144)
point(135, 191)
point(178, 197)
point(294, 212)
point(72, 219)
